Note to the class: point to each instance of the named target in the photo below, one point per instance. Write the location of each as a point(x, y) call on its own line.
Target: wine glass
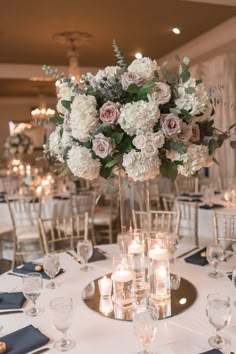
point(172, 244)
point(85, 251)
point(51, 266)
point(215, 255)
point(145, 325)
point(61, 311)
point(32, 288)
point(219, 314)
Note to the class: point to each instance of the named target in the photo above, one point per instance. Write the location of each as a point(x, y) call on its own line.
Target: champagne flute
point(145, 326)
point(32, 288)
point(85, 251)
point(215, 255)
point(61, 311)
point(219, 314)
point(51, 266)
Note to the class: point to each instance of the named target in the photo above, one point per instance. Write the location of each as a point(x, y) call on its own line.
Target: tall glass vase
point(134, 197)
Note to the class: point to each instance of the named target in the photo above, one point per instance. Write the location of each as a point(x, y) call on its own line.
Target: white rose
point(109, 72)
point(65, 92)
point(144, 67)
point(159, 139)
point(139, 141)
point(161, 93)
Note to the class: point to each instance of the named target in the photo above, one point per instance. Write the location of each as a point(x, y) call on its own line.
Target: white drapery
point(220, 71)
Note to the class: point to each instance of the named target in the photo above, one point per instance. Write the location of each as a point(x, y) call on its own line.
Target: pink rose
point(185, 134)
point(129, 78)
point(102, 146)
point(109, 112)
point(195, 133)
point(170, 125)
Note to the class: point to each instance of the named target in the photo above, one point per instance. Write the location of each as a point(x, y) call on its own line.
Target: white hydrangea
point(81, 163)
point(138, 117)
point(140, 167)
point(65, 92)
point(144, 67)
point(109, 72)
point(55, 144)
point(83, 117)
point(195, 158)
point(195, 103)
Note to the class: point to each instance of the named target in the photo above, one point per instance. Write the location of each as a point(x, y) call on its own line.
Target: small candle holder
point(137, 262)
point(106, 305)
point(105, 287)
point(123, 282)
point(159, 271)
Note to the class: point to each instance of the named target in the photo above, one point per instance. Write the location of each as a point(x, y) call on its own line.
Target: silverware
point(8, 312)
point(41, 351)
point(74, 257)
point(186, 253)
point(16, 274)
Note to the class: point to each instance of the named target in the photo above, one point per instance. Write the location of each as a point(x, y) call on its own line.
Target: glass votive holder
point(138, 266)
point(105, 287)
point(159, 272)
point(123, 281)
point(123, 241)
point(105, 305)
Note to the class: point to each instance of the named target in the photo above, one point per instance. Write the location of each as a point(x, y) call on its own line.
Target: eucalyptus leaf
point(177, 57)
point(57, 120)
point(133, 88)
point(185, 75)
point(164, 63)
point(190, 90)
point(186, 61)
point(145, 89)
point(233, 144)
point(66, 104)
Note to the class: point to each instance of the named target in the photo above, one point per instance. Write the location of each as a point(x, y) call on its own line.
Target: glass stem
point(63, 338)
point(218, 337)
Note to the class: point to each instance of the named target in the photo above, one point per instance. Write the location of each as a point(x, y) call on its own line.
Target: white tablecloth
point(186, 333)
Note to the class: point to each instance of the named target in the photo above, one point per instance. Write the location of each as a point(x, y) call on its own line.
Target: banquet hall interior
point(59, 218)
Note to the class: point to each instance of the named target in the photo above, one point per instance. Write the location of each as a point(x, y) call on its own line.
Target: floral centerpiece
point(18, 144)
point(140, 118)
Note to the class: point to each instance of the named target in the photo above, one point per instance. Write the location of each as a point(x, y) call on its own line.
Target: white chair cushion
point(25, 233)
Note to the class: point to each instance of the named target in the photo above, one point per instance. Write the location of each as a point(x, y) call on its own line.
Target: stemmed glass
point(145, 326)
point(215, 255)
point(85, 251)
point(51, 266)
point(219, 314)
point(172, 244)
point(32, 287)
point(234, 279)
point(61, 311)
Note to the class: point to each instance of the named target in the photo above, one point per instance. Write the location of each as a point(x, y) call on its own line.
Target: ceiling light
point(176, 30)
point(138, 55)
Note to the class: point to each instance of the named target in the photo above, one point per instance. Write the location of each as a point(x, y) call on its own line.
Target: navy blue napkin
point(230, 276)
point(60, 198)
point(11, 300)
point(30, 268)
point(97, 256)
point(185, 195)
point(196, 195)
point(213, 206)
point(24, 340)
point(212, 351)
point(196, 258)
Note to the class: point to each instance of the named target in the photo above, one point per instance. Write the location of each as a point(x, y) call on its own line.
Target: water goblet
point(145, 326)
point(61, 313)
point(215, 255)
point(219, 314)
point(172, 244)
point(32, 288)
point(51, 266)
point(85, 251)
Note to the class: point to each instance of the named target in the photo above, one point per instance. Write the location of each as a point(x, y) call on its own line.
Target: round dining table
point(186, 333)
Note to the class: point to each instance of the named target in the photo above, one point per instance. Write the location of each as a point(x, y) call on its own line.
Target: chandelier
point(42, 114)
point(73, 41)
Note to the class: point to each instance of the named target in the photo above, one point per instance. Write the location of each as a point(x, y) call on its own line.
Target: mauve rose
point(195, 133)
point(170, 125)
point(102, 146)
point(109, 112)
point(185, 134)
point(129, 78)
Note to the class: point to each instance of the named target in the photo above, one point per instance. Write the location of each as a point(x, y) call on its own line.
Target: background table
point(186, 333)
